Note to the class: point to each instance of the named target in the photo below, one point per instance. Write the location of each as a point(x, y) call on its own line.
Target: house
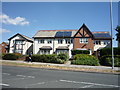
point(4, 47)
point(20, 44)
point(63, 41)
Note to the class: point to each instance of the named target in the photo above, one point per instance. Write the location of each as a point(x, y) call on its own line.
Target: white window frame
point(49, 41)
point(68, 41)
point(41, 41)
point(83, 40)
point(60, 41)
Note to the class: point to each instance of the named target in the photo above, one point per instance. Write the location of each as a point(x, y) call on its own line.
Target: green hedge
point(11, 56)
point(63, 56)
point(106, 60)
point(108, 51)
point(46, 58)
point(84, 59)
point(74, 52)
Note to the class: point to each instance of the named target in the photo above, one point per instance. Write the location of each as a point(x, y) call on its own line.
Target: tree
point(118, 33)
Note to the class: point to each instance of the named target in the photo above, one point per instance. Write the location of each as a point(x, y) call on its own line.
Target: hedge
point(74, 52)
point(84, 59)
point(106, 60)
point(108, 51)
point(63, 56)
point(46, 58)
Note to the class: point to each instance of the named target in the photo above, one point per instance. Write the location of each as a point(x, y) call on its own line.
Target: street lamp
point(111, 22)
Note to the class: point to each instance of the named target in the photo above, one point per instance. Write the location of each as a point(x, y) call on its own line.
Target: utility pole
point(111, 22)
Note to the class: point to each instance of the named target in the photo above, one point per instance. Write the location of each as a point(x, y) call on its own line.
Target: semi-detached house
point(60, 41)
point(63, 41)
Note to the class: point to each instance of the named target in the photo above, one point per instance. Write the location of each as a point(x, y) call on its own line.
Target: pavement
point(27, 77)
point(66, 65)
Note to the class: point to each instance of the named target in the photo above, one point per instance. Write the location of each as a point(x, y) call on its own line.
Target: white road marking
point(4, 84)
point(30, 76)
point(6, 73)
point(87, 86)
point(20, 75)
point(89, 83)
point(35, 84)
point(25, 76)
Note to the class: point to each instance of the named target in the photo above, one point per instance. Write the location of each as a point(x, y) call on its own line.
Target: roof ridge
point(61, 30)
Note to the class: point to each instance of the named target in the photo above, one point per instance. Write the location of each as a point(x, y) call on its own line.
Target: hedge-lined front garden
point(52, 58)
point(11, 56)
point(106, 60)
point(85, 59)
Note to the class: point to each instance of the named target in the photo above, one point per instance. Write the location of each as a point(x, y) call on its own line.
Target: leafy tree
point(118, 33)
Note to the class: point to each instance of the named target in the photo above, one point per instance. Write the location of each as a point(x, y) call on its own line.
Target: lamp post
point(111, 22)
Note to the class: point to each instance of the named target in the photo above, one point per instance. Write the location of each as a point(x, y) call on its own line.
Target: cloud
point(14, 21)
point(4, 31)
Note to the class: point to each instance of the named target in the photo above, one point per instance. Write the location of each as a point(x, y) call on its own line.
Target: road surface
point(26, 77)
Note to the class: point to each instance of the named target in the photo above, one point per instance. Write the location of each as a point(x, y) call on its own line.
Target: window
point(106, 42)
point(44, 51)
point(40, 40)
point(98, 42)
point(49, 41)
point(60, 41)
point(19, 42)
point(68, 41)
point(83, 40)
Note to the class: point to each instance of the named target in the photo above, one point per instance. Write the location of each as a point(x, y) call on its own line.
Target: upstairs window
point(19, 42)
point(60, 41)
point(49, 41)
point(98, 42)
point(41, 41)
point(83, 40)
point(68, 41)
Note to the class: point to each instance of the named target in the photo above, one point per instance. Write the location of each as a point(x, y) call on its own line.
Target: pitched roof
point(102, 35)
point(52, 33)
point(25, 37)
point(69, 33)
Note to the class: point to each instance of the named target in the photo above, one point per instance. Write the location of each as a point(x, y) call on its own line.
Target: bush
point(74, 52)
point(63, 56)
point(10, 56)
point(106, 60)
point(108, 51)
point(84, 59)
point(46, 58)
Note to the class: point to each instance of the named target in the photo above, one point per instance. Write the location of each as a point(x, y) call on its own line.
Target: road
point(26, 77)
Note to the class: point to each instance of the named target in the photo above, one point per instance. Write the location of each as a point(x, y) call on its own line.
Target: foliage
point(84, 59)
point(46, 58)
point(108, 51)
point(106, 60)
point(10, 56)
point(63, 56)
point(74, 52)
point(118, 32)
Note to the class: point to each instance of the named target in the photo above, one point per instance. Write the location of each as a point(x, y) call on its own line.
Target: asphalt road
point(25, 77)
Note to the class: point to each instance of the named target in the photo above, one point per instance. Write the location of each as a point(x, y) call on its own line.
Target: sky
point(29, 17)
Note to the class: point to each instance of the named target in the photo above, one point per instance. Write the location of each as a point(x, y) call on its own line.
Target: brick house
point(4, 47)
point(63, 41)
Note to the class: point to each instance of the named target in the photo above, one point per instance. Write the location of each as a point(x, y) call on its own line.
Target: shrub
point(46, 58)
point(10, 56)
point(74, 52)
point(63, 56)
point(107, 60)
point(84, 59)
point(108, 51)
